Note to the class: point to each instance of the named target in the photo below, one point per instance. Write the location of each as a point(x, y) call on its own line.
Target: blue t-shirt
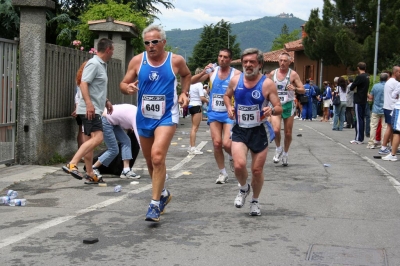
point(327, 94)
point(377, 92)
point(309, 90)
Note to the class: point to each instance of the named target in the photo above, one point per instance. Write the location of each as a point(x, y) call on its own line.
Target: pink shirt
point(123, 115)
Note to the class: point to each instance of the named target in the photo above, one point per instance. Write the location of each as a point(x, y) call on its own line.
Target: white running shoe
point(356, 142)
point(285, 160)
point(277, 156)
point(371, 146)
point(241, 197)
point(254, 209)
point(130, 174)
point(222, 179)
point(195, 151)
point(97, 172)
point(390, 157)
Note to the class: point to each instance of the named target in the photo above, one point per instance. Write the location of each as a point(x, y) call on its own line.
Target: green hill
point(258, 33)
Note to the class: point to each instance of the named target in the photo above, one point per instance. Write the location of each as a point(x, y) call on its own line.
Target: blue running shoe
point(153, 213)
point(384, 151)
point(164, 200)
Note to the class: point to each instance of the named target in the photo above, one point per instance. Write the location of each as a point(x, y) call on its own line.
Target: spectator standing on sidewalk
point(350, 105)
point(395, 126)
point(388, 105)
point(315, 100)
point(360, 87)
point(376, 96)
point(90, 108)
point(308, 106)
point(327, 100)
point(340, 109)
point(78, 95)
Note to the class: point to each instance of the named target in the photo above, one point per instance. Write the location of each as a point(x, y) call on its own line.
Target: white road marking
point(56, 221)
point(189, 157)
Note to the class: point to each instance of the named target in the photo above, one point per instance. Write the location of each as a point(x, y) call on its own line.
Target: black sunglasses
point(154, 42)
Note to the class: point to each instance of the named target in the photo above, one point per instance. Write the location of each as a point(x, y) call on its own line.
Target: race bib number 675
point(248, 115)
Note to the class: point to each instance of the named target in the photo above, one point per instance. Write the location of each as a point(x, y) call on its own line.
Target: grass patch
point(56, 159)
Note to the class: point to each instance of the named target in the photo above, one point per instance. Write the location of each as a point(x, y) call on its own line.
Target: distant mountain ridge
point(257, 33)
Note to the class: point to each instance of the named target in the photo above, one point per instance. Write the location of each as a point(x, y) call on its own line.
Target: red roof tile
point(91, 22)
point(294, 46)
point(272, 56)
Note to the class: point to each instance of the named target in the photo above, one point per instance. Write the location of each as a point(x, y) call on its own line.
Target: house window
point(308, 72)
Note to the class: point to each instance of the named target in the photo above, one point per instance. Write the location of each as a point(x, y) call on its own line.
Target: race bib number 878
point(218, 104)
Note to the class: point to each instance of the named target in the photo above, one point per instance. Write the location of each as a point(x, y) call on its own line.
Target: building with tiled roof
point(302, 64)
point(294, 46)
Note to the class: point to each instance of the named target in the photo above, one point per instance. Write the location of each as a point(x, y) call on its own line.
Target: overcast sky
point(194, 14)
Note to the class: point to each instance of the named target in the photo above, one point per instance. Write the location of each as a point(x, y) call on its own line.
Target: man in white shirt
point(388, 105)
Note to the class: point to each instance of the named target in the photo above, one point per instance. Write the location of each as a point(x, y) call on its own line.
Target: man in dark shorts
point(90, 108)
point(256, 98)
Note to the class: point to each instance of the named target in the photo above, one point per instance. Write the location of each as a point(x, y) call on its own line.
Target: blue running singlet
point(157, 96)
point(249, 103)
point(216, 108)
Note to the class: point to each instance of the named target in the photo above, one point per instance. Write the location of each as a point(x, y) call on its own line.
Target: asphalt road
point(344, 214)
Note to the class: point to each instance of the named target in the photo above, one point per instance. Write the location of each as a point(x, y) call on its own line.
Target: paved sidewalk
point(10, 175)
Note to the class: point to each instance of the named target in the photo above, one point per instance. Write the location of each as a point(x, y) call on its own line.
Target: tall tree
point(284, 37)
point(346, 33)
point(212, 39)
point(117, 11)
point(76, 7)
point(63, 20)
point(9, 20)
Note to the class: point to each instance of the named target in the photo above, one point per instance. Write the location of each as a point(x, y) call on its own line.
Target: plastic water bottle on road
point(5, 200)
point(17, 202)
point(117, 188)
point(12, 194)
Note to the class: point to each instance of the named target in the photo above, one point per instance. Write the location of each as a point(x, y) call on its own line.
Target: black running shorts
point(195, 109)
point(255, 138)
point(78, 120)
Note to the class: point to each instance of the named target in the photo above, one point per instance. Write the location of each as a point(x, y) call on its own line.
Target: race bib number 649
point(153, 106)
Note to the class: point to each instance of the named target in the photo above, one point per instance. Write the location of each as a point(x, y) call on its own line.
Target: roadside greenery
point(347, 30)
point(212, 39)
point(68, 21)
point(121, 12)
point(285, 37)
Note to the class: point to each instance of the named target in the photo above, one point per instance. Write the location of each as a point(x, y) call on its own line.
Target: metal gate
point(8, 87)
